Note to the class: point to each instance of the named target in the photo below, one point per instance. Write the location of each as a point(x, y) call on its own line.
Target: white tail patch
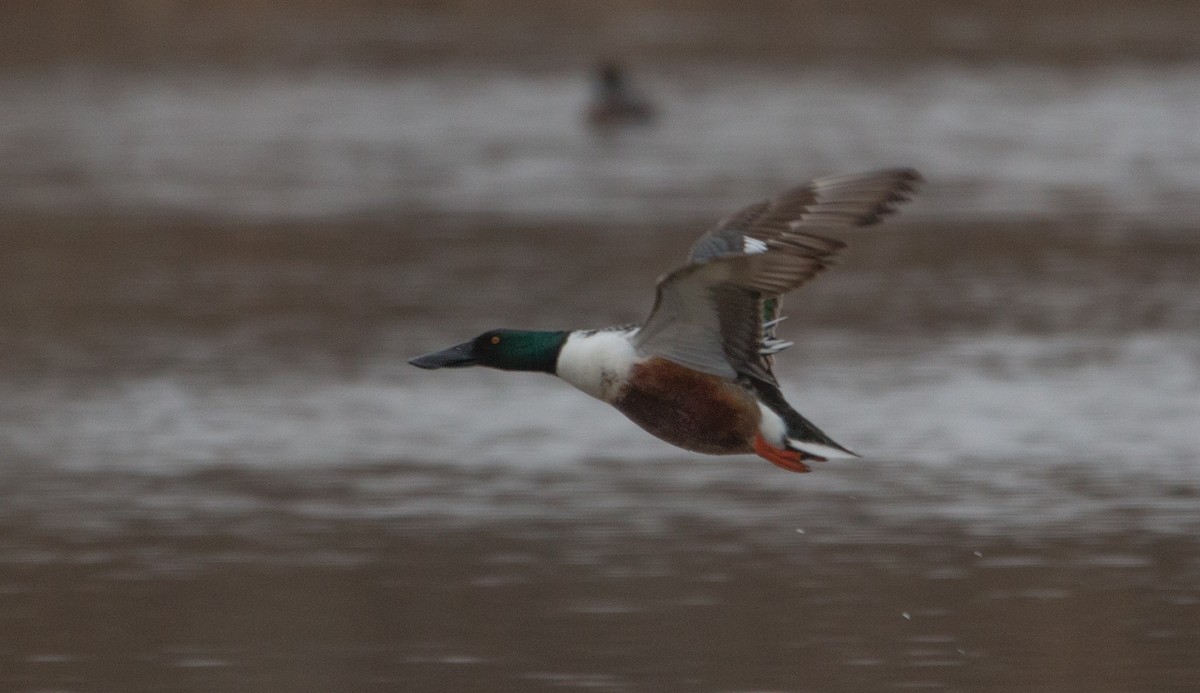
point(819, 450)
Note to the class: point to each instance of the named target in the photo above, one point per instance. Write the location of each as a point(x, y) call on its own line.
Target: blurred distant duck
point(614, 103)
point(697, 372)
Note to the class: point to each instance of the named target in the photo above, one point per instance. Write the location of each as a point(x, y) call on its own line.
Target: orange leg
point(785, 459)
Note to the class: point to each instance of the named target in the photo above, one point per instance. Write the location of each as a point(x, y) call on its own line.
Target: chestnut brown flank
point(695, 411)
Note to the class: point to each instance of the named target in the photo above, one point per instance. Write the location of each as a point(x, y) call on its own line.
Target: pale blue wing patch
point(719, 313)
point(707, 316)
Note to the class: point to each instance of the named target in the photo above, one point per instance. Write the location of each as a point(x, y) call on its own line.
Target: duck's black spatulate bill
point(457, 356)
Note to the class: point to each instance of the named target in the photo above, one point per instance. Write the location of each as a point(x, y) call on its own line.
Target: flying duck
point(697, 373)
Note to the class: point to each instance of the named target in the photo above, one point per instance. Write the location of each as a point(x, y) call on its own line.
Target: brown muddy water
point(221, 475)
point(217, 472)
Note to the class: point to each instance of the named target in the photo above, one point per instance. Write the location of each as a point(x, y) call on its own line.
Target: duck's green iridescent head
point(510, 350)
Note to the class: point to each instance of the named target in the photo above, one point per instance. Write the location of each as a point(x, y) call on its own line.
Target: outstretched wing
point(717, 314)
point(707, 315)
point(825, 204)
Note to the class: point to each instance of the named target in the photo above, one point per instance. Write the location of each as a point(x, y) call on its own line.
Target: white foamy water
point(1005, 370)
point(978, 431)
point(1105, 142)
point(1125, 406)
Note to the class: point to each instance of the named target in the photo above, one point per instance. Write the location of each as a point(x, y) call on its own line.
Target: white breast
point(597, 362)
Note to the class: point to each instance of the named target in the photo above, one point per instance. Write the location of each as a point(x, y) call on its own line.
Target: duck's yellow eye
point(495, 339)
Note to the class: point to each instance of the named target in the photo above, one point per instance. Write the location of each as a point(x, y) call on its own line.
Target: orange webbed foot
point(790, 460)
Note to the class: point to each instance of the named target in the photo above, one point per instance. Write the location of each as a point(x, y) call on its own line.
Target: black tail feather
point(798, 427)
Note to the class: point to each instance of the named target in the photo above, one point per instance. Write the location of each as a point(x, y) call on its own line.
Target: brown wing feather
point(825, 204)
point(709, 314)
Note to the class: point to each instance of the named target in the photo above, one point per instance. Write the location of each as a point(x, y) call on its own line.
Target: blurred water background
point(227, 225)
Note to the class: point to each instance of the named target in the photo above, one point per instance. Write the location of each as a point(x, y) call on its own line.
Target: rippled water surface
point(220, 474)
point(1110, 141)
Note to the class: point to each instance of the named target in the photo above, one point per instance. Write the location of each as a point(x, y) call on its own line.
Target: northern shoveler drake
point(613, 103)
point(698, 372)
